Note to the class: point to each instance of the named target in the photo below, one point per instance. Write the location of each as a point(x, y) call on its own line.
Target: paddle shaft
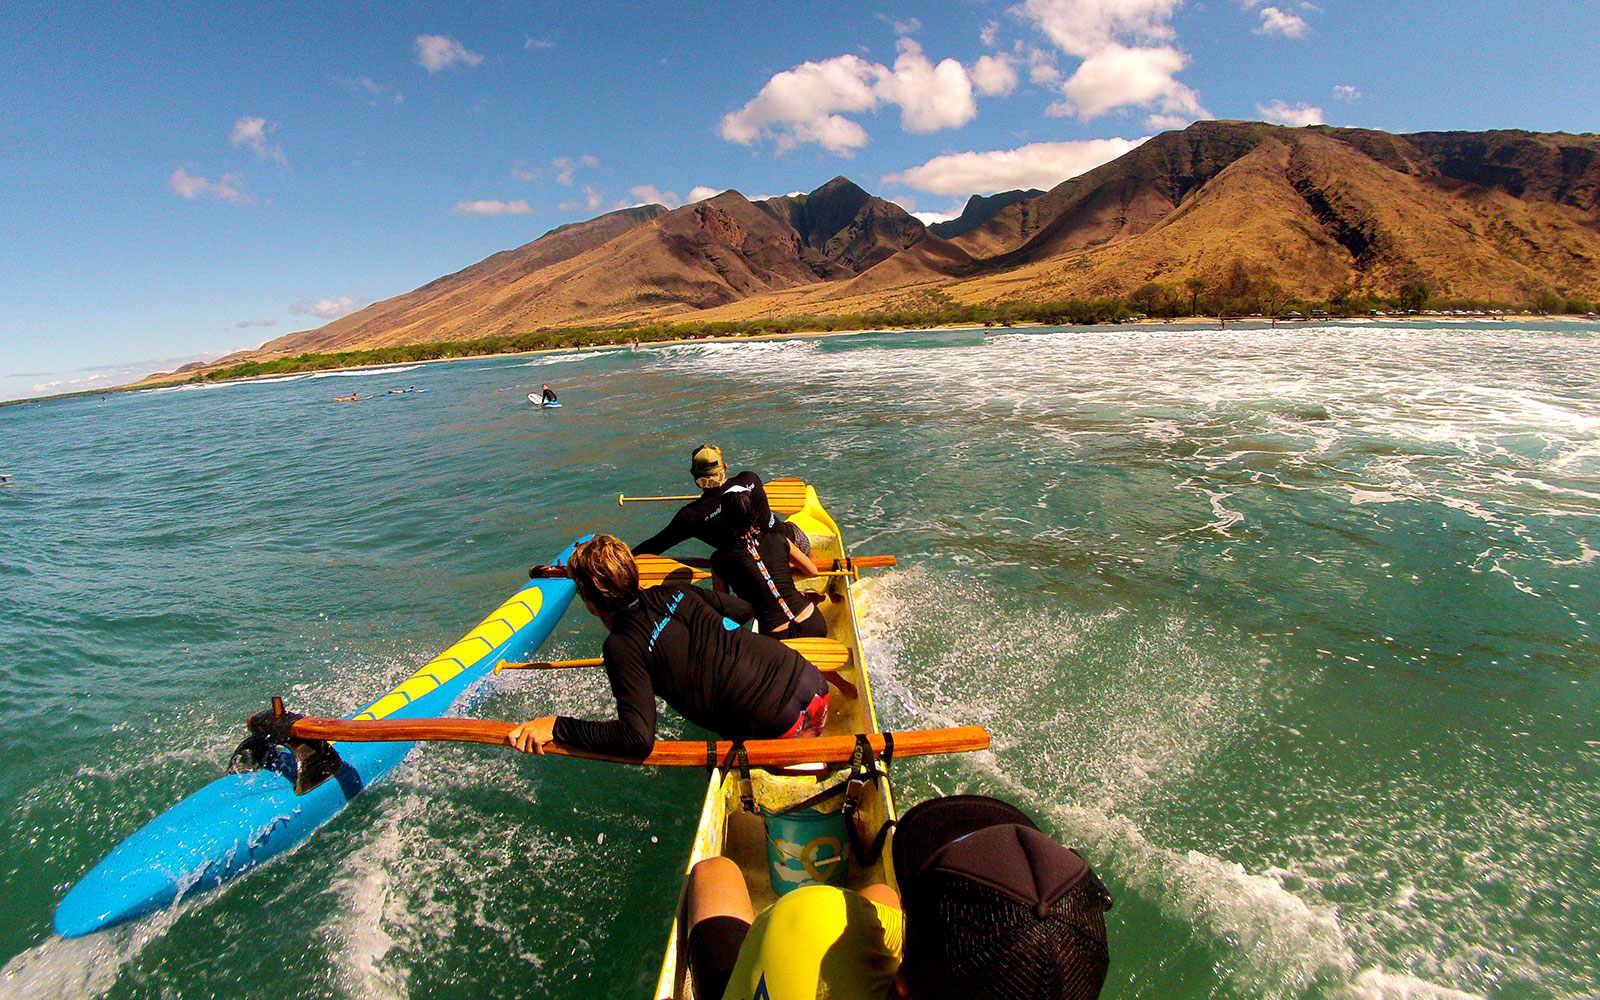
point(666, 753)
point(824, 566)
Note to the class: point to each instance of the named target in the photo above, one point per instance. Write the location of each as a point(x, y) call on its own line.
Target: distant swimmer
point(547, 394)
point(402, 392)
point(347, 399)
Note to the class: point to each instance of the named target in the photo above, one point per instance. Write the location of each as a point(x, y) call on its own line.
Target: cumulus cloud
point(931, 97)
point(1037, 165)
point(1126, 52)
point(700, 193)
point(437, 52)
point(1118, 77)
point(990, 35)
point(649, 194)
point(326, 308)
point(1280, 113)
point(809, 102)
point(591, 200)
point(252, 132)
point(1276, 21)
point(1345, 92)
point(524, 174)
point(566, 166)
point(994, 76)
point(229, 187)
point(491, 207)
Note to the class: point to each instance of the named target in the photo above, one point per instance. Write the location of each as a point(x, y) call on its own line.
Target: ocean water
point(1292, 632)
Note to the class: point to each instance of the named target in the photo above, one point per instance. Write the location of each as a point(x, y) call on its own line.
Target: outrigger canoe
point(242, 820)
point(725, 827)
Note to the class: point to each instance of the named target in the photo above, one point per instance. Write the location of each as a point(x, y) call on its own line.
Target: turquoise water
point(1293, 632)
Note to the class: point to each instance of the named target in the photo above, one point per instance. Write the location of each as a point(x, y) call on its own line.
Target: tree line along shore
point(1237, 296)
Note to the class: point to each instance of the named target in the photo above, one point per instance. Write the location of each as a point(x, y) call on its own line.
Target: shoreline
point(167, 380)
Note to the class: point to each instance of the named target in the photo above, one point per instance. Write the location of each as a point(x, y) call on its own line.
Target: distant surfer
point(547, 395)
point(402, 392)
point(347, 399)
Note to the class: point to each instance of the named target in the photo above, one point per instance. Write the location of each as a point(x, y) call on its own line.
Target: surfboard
point(534, 397)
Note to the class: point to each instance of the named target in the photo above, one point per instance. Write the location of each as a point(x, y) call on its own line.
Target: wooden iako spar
point(666, 753)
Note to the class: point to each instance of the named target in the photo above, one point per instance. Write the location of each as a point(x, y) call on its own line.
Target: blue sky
point(180, 180)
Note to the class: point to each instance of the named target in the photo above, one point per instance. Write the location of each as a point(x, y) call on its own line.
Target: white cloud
point(437, 52)
point(566, 166)
point(247, 323)
point(523, 174)
point(252, 132)
point(591, 200)
point(538, 43)
point(229, 187)
point(701, 193)
point(931, 97)
point(808, 103)
point(1275, 21)
point(1126, 52)
point(801, 105)
point(326, 308)
point(1280, 113)
point(376, 92)
point(1345, 92)
point(1163, 122)
point(649, 194)
point(491, 207)
point(1042, 68)
point(1084, 27)
point(1118, 77)
point(1037, 165)
point(910, 26)
point(994, 76)
point(990, 34)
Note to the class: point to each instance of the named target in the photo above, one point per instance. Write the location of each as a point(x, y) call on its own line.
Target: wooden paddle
point(667, 753)
point(828, 655)
point(656, 570)
point(786, 496)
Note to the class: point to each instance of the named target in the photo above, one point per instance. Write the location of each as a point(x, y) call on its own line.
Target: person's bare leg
point(717, 889)
point(880, 893)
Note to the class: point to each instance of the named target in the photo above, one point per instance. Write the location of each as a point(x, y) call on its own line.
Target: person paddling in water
point(760, 567)
point(702, 517)
point(684, 645)
point(547, 394)
point(347, 399)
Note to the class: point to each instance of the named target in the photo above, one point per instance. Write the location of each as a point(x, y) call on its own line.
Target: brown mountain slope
point(635, 263)
point(430, 312)
point(1496, 215)
point(1499, 215)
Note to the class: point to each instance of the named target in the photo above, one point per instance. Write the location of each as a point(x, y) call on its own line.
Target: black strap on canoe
point(737, 754)
point(864, 766)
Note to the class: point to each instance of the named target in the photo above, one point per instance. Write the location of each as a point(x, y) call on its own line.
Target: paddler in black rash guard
point(683, 644)
point(702, 518)
point(760, 567)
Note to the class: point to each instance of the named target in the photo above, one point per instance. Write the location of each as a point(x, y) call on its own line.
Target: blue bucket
point(806, 847)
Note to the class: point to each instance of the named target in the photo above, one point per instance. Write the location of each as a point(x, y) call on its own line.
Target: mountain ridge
point(1497, 215)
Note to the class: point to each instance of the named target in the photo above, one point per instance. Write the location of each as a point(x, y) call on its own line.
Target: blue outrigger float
point(242, 820)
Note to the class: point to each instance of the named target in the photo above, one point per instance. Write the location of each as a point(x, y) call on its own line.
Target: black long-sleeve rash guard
point(702, 518)
point(772, 593)
point(685, 645)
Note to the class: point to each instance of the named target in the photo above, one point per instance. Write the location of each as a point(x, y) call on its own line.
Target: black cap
point(994, 907)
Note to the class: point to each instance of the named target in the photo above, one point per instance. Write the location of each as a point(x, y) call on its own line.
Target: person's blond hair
point(605, 572)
